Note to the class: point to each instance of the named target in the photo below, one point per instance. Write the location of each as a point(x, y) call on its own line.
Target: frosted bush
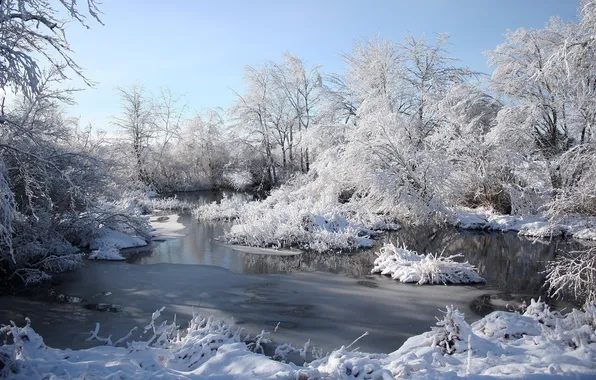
point(289, 225)
point(573, 273)
point(408, 266)
point(228, 209)
point(451, 333)
point(238, 179)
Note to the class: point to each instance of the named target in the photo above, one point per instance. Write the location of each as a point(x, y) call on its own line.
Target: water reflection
point(508, 262)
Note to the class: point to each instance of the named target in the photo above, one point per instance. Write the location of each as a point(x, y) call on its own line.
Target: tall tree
point(138, 123)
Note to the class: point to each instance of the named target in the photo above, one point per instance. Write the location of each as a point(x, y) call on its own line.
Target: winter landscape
point(363, 203)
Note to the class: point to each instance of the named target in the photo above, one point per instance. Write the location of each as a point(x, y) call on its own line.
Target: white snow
point(110, 253)
point(538, 344)
point(107, 245)
point(410, 267)
point(534, 225)
point(166, 227)
point(109, 238)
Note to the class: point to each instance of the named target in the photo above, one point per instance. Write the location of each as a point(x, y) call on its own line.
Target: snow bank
point(539, 343)
point(111, 253)
point(408, 266)
point(108, 242)
point(535, 226)
point(166, 227)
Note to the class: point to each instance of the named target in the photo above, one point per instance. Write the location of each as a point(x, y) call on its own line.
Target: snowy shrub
point(451, 333)
point(506, 325)
point(238, 179)
point(139, 202)
point(408, 266)
point(290, 225)
point(573, 273)
point(228, 209)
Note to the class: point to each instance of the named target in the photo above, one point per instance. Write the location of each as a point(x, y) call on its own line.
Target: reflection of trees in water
point(508, 262)
point(356, 265)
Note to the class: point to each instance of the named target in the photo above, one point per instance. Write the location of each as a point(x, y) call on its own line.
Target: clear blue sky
point(199, 48)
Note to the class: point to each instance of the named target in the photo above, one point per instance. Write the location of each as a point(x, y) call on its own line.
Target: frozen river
point(329, 299)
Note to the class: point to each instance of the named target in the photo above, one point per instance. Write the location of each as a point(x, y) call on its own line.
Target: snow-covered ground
point(535, 226)
point(108, 242)
point(501, 345)
point(408, 266)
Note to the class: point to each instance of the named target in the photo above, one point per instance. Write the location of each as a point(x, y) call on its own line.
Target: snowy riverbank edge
point(108, 242)
point(537, 343)
point(583, 228)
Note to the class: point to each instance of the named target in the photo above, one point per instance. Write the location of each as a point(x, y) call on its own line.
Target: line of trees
point(404, 123)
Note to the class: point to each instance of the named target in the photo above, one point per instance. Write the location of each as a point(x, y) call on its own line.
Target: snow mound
point(108, 238)
point(408, 266)
point(108, 242)
point(110, 253)
point(538, 344)
point(534, 225)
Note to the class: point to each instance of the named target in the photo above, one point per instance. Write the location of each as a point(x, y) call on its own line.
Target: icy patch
point(166, 227)
point(408, 266)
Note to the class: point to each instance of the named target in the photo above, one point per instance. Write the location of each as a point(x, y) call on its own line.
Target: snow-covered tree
point(137, 122)
point(31, 30)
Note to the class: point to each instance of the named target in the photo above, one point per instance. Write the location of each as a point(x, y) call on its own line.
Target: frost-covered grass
point(308, 217)
point(408, 266)
point(535, 226)
point(140, 203)
point(290, 225)
point(228, 209)
point(538, 343)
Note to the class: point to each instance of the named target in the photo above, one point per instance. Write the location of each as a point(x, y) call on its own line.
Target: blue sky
point(199, 48)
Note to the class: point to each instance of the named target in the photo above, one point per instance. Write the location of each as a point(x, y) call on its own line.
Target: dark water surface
point(510, 263)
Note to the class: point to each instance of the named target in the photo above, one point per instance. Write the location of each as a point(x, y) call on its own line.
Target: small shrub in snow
point(451, 332)
point(408, 266)
point(573, 273)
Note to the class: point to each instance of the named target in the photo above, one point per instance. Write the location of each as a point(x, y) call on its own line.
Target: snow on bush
point(140, 203)
point(306, 215)
point(293, 225)
point(408, 266)
point(238, 179)
point(228, 209)
point(573, 273)
point(501, 345)
point(534, 225)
